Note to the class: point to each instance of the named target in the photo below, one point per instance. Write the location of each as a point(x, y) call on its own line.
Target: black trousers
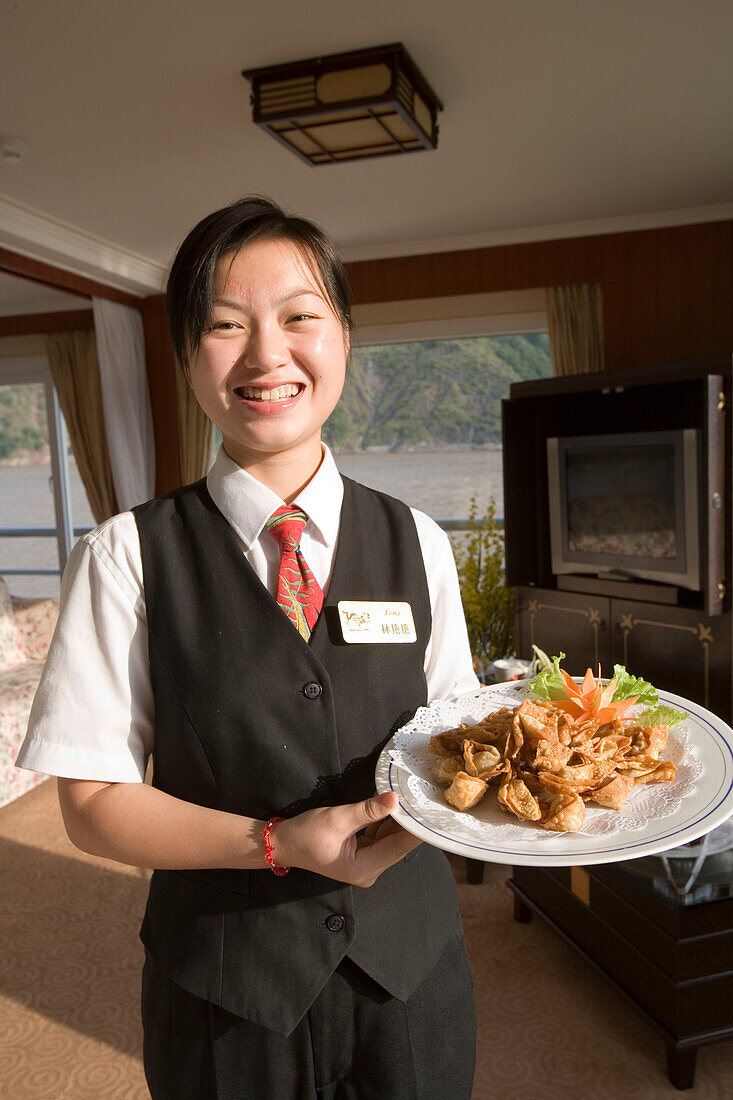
point(355, 1042)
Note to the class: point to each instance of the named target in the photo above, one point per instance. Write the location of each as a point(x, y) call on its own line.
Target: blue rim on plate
point(708, 804)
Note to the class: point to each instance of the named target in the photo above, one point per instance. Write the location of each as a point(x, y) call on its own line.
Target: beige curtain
point(195, 433)
point(72, 357)
point(575, 316)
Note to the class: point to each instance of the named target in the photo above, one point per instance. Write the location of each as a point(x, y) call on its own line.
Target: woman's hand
point(143, 826)
point(352, 843)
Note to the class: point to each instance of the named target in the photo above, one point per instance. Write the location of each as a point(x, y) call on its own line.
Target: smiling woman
point(264, 728)
point(238, 336)
point(270, 366)
point(191, 284)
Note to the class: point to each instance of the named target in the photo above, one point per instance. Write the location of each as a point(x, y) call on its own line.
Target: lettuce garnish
point(628, 685)
point(550, 684)
point(656, 716)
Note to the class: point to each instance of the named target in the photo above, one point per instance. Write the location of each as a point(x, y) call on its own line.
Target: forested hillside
point(436, 393)
point(23, 426)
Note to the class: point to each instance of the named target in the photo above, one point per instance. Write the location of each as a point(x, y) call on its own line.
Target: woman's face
point(271, 368)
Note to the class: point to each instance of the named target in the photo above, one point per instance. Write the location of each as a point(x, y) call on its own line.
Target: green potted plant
point(488, 603)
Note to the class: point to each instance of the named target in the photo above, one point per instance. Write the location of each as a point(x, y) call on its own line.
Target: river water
point(440, 483)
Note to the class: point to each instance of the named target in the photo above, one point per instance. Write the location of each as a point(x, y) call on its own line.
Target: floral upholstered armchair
point(26, 628)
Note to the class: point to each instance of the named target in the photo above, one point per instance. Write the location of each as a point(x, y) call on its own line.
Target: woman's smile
point(270, 367)
point(278, 395)
point(270, 400)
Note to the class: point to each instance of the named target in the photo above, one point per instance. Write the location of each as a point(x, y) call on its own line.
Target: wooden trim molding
point(34, 324)
point(38, 272)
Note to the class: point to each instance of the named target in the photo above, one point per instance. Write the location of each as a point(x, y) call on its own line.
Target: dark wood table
point(671, 953)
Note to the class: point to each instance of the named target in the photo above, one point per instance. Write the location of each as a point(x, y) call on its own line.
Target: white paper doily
point(656, 817)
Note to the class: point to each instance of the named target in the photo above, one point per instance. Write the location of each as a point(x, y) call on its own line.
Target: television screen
point(625, 504)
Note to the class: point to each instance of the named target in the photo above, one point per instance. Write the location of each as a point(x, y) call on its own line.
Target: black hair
point(255, 218)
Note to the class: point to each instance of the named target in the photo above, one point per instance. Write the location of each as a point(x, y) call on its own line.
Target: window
point(420, 417)
point(41, 493)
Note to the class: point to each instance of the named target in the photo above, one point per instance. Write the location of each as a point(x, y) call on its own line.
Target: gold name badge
point(372, 621)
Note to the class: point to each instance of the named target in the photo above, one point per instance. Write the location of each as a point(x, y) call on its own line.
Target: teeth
point(252, 393)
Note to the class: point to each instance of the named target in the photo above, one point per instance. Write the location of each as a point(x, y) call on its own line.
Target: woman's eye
point(224, 326)
point(302, 317)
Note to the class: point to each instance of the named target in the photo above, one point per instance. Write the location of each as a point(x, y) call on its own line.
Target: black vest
point(235, 729)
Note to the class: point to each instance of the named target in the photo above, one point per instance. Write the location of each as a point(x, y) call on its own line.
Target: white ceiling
point(561, 116)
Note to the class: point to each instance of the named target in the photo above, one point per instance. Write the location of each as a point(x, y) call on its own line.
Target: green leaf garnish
point(656, 716)
point(548, 683)
point(628, 685)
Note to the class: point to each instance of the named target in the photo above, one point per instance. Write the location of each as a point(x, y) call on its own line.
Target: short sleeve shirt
point(93, 716)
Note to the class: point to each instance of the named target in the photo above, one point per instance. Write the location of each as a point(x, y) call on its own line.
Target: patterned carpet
point(69, 977)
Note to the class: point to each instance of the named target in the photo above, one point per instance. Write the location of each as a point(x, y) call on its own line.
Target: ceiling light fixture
point(347, 106)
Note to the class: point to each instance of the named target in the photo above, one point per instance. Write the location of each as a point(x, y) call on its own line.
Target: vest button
point(335, 923)
point(312, 690)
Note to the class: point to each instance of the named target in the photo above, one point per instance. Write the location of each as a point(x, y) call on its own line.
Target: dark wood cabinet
point(565, 622)
point(672, 959)
point(679, 638)
point(678, 649)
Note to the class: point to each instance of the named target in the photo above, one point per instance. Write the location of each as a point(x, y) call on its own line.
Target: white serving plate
point(686, 810)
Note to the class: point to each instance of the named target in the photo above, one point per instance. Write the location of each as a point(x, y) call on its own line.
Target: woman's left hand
point(352, 843)
point(378, 830)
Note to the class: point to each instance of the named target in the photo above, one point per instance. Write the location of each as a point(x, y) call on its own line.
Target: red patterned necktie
point(298, 592)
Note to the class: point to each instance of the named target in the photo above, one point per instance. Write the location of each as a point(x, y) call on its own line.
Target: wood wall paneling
point(667, 293)
point(162, 367)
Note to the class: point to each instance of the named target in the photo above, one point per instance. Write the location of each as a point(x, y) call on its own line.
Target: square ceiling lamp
point(347, 106)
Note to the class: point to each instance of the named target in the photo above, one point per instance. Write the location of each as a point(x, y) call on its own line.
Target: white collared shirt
point(93, 715)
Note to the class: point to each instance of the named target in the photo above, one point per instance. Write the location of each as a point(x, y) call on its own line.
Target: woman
point(298, 942)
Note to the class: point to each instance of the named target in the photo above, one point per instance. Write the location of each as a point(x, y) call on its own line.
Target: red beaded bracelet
point(268, 848)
